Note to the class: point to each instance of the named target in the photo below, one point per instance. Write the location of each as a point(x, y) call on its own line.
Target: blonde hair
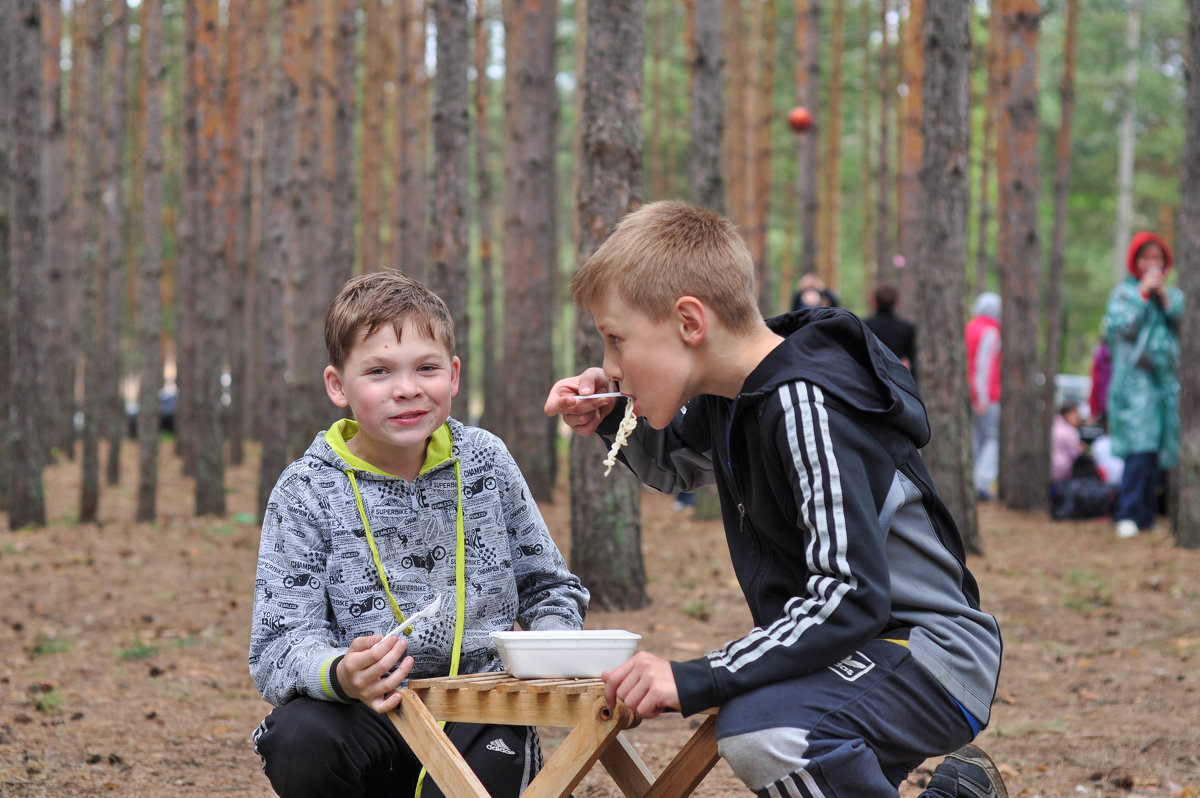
point(668, 249)
point(385, 297)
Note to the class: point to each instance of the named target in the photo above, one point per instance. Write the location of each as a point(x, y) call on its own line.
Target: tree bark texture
point(1186, 520)
point(606, 526)
point(829, 204)
point(758, 210)
point(26, 236)
point(113, 197)
point(59, 405)
point(735, 142)
point(208, 288)
point(410, 228)
point(808, 92)
point(493, 384)
point(530, 237)
point(706, 123)
point(1055, 322)
point(1024, 457)
point(7, 87)
point(371, 140)
point(277, 252)
point(942, 255)
point(448, 274)
point(150, 282)
point(93, 403)
point(243, 66)
point(307, 402)
point(908, 206)
point(885, 245)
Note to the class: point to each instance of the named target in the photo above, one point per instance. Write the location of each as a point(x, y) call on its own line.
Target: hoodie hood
point(333, 448)
point(987, 304)
point(834, 349)
point(1140, 240)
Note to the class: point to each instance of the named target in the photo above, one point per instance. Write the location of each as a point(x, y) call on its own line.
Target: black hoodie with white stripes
point(835, 530)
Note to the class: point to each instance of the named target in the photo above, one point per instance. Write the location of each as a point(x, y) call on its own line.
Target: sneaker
point(967, 773)
point(1126, 528)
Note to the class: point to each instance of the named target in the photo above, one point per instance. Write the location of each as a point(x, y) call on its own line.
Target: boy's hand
point(363, 672)
point(569, 399)
point(644, 683)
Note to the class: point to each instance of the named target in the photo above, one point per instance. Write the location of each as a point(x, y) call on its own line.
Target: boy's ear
point(334, 387)
point(455, 368)
point(692, 317)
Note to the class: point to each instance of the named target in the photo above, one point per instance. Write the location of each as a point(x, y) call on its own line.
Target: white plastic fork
point(609, 395)
point(410, 621)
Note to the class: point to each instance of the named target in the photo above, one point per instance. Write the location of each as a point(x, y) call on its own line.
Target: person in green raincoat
point(1141, 324)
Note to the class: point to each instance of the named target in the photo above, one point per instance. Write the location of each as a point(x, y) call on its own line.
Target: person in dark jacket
point(869, 650)
point(897, 334)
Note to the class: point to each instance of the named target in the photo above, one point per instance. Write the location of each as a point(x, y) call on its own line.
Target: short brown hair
point(384, 297)
point(668, 249)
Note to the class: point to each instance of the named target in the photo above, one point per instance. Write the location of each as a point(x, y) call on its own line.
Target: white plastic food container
point(564, 654)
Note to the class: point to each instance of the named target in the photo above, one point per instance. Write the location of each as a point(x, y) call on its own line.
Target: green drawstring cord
point(460, 582)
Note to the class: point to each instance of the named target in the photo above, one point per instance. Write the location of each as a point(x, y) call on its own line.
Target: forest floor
point(123, 648)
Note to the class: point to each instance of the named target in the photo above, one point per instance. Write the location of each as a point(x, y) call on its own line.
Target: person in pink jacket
point(983, 372)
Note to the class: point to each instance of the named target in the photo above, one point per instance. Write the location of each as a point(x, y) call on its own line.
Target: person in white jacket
point(385, 515)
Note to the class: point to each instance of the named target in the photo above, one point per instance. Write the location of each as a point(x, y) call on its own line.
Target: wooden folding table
point(577, 704)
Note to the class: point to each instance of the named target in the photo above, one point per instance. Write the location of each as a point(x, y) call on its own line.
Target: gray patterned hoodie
point(348, 551)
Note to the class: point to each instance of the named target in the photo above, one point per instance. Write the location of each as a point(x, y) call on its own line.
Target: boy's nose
point(404, 386)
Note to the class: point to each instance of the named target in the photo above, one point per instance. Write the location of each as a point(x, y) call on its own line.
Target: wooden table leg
point(689, 767)
point(626, 767)
point(445, 764)
point(580, 750)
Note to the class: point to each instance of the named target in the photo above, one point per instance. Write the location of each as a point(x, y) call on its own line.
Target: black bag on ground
point(1084, 494)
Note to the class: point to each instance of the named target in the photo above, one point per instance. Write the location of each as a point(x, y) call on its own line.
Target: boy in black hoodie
point(870, 652)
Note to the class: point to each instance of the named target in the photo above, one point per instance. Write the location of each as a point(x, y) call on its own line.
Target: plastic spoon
point(424, 614)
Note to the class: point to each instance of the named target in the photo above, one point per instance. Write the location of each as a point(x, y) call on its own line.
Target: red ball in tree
point(800, 118)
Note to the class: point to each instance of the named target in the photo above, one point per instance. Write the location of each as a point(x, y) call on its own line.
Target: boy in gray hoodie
point(385, 515)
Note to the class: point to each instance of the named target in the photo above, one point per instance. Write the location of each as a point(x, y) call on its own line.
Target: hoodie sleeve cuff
point(333, 680)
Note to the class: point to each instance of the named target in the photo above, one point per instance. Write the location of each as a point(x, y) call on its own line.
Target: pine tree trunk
point(529, 238)
point(25, 239)
point(831, 190)
point(865, 208)
point(706, 123)
point(307, 402)
point(493, 385)
point(908, 206)
point(759, 206)
point(987, 149)
point(235, 198)
point(210, 276)
point(808, 92)
point(449, 223)
point(276, 251)
point(411, 220)
point(342, 186)
point(59, 429)
point(606, 529)
point(150, 282)
point(93, 403)
point(255, 126)
point(8, 45)
point(884, 242)
point(735, 143)
point(1127, 136)
point(1055, 321)
point(113, 252)
point(942, 255)
point(371, 141)
point(1186, 520)
point(1025, 457)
